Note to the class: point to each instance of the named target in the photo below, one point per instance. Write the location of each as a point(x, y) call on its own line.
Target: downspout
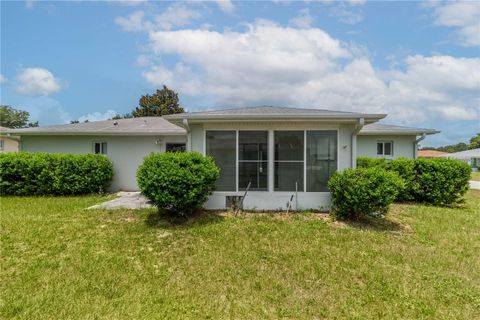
point(358, 127)
point(415, 145)
point(189, 135)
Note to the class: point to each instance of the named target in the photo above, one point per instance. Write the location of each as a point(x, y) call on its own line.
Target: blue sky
point(418, 62)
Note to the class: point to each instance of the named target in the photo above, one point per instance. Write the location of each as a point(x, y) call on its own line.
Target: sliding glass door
point(253, 160)
point(221, 145)
point(321, 159)
point(289, 160)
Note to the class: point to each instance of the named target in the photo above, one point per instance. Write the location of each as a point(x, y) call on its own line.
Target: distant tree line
point(462, 146)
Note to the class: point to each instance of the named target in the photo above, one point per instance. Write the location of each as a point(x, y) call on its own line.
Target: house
point(283, 153)
point(472, 157)
point(430, 153)
point(8, 143)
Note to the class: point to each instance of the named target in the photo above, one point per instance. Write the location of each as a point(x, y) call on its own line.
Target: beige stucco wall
point(126, 152)
point(9, 145)
point(403, 146)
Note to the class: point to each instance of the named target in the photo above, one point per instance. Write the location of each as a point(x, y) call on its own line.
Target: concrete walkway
point(125, 200)
point(475, 185)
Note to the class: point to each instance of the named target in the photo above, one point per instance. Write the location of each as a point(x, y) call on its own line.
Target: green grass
point(475, 176)
point(59, 261)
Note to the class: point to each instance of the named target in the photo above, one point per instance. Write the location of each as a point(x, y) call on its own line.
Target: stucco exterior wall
point(271, 200)
point(9, 145)
point(403, 146)
point(126, 152)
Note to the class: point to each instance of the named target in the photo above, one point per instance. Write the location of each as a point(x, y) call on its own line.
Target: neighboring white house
point(283, 153)
point(7, 143)
point(472, 157)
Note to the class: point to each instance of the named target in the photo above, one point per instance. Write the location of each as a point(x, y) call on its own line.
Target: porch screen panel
point(289, 160)
point(321, 159)
point(253, 160)
point(221, 145)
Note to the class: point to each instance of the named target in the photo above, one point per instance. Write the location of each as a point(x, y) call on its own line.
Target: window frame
point(175, 144)
point(251, 161)
point(383, 142)
point(271, 155)
point(101, 147)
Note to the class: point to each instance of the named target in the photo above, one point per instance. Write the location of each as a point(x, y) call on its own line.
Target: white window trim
point(383, 148)
point(101, 147)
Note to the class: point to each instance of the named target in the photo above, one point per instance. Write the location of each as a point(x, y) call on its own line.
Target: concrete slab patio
point(475, 185)
point(125, 200)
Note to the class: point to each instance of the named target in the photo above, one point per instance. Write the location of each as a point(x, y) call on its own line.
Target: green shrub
point(405, 168)
point(438, 181)
point(366, 162)
point(179, 182)
point(23, 173)
point(441, 181)
point(357, 193)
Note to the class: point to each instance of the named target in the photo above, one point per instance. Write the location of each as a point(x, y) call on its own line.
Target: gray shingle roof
point(380, 128)
point(133, 126)
point(270, 112)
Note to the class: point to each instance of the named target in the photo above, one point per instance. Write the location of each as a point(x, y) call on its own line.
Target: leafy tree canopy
point(462, 146)
point(13, 118)
point(162, 102)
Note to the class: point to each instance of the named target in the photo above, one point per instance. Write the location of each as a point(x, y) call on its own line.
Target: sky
point(419, 62)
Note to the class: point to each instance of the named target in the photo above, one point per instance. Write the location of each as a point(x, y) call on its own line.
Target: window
point(385, 148)
point(221, 145)
point(175, 147)
point(100, 147)
point(289, 160)
point(253, 160)
point(321, 159)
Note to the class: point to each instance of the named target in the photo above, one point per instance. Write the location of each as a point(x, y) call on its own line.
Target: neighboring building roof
point(132, 126)
point(379, 128)
point(467, 154)
point(273, 113)
point(430, 153)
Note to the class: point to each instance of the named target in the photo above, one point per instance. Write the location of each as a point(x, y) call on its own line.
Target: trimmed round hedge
point(24, 174)
point(438, 181)
point(178, 182)
point(358, 193)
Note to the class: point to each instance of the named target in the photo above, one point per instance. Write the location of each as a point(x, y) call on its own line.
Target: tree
point(160, 103)
point(475, 142)
point(13, 118)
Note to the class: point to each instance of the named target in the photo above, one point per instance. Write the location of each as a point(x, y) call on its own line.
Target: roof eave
point(46, 133)
point(403, 133)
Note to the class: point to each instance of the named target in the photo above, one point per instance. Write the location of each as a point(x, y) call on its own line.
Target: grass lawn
point(59, 261)
point(475, 176)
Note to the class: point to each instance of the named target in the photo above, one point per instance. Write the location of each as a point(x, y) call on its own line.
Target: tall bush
point(438, 181)
point(179, 182)
point(441, 181)
point(357, 193)
point(23, 173)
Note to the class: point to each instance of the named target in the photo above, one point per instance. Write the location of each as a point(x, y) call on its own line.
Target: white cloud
point(226, 5)
point(2, 79)
point(29, 4)
point(261, 66)
point(465, 16)
point(133, 22)
point(174, 16)
point(37, 81)
point(98, 116)
point(302, 20)
point(346, 15)
point(130, 3)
